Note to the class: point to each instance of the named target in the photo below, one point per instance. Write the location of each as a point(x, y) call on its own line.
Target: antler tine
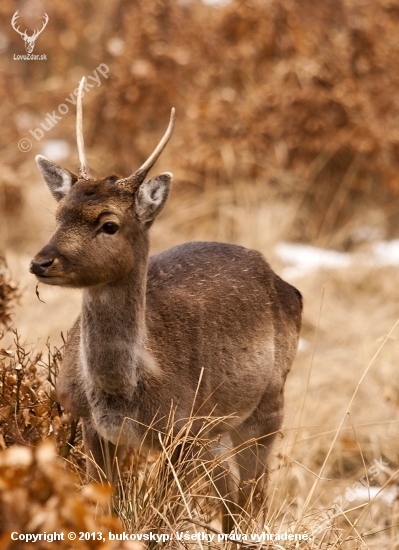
point(83, 169)
point(149, 163)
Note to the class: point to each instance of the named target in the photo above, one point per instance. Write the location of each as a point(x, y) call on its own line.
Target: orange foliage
point(261, 89)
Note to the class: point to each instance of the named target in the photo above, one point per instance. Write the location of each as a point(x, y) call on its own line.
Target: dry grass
point(348, 315)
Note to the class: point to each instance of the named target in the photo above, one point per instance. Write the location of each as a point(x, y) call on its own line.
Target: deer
point(29, 40)
point(203, 321)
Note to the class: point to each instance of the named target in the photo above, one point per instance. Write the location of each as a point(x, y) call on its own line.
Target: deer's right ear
point(58, 179)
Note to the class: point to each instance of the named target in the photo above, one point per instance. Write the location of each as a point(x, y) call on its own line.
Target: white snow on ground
point(388, 495)
point(387, 252)
point(302, 259)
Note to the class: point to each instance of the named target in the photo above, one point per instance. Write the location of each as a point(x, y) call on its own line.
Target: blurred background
point(292, 99)
point(287, 132)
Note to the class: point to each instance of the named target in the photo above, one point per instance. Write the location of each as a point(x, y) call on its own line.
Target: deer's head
point(102, 224)
point(29, 40)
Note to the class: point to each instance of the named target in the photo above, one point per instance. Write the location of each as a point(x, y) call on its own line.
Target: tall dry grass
point(329, 441)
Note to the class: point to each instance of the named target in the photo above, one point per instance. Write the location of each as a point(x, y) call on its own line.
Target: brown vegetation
point(296, 95)
point(8, 294)
point(39, 495)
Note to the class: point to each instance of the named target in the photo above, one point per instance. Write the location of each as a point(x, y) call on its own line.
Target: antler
point(139, 175)
point(13, 21)
point(149, 163)
point(83, 169)
point(37, 32)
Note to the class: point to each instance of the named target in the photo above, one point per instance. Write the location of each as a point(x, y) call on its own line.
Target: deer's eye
point(110, 228)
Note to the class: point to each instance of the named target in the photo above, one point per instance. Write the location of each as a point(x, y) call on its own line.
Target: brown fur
point(150, 326)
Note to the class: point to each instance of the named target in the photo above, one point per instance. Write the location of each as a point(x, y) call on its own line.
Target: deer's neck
point(113, 334)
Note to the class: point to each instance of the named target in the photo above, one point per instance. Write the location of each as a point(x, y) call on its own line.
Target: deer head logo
point(29, 40)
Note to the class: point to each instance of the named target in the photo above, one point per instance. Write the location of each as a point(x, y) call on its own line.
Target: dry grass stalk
point(8, 293)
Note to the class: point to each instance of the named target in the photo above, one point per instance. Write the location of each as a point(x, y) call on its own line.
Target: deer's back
point(221, 308)
point(210, 281)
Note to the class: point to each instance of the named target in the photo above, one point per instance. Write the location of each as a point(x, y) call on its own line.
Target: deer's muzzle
point(40, 267)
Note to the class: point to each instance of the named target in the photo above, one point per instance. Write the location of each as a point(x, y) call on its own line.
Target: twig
point(37, 294)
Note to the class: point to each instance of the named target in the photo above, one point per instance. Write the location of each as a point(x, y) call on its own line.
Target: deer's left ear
point(58, 179)
point(151, 197)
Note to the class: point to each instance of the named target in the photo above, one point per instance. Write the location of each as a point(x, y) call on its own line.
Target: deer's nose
point(39, 268)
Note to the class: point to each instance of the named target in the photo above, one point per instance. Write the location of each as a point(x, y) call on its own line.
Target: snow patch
point(303, 259)
point(386, 495)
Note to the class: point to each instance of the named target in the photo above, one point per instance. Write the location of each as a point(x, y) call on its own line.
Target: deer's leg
point(261, 427)
point(226, 479)
point(101, 455)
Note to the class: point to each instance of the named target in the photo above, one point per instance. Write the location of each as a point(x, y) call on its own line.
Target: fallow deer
point(201, 319)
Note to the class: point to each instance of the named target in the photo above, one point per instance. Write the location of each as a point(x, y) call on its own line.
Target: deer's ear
point(58, 179)
point(151, 197)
